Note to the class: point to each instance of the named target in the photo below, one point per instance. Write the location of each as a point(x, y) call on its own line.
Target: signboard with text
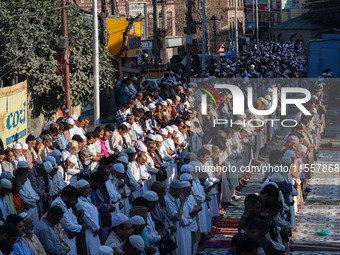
point(13, 114)
point(290, 4)
point(139, 8)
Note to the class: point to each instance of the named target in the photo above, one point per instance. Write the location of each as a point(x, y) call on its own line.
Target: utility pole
point(269, 20)
point(155, 33)
point(204, 40)
point(236, 29)
point(215, 34)
point(67, 86)
point(257, 24)
point(164, 53)
point(96, 102)
point(253, 18)
point(189, 35)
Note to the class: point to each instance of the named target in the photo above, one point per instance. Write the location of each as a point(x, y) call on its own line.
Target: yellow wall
point(116, 28)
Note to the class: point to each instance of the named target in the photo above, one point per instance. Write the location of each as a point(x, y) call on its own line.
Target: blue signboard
point(230, 55)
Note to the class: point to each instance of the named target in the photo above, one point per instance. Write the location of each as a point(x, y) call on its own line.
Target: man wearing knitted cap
point(138, 224)
point(90, 216)
point(176, 209)
point(134, 245)
point(121, 230)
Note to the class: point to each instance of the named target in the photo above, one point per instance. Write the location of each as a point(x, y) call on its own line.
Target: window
point(169, 23)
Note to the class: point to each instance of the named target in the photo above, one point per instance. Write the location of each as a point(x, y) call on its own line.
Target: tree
point(324, 12)
point(29, 34)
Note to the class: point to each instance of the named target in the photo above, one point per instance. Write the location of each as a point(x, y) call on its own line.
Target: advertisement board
point(13, 114)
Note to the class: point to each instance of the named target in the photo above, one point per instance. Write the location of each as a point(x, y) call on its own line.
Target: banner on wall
point(13, 114)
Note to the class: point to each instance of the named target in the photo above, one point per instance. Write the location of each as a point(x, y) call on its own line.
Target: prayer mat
point(210, 251)
point(325, 186)
point(229, 223)
point(226, 231)
point(313, 218)
point(329, 149)
point(218, 244)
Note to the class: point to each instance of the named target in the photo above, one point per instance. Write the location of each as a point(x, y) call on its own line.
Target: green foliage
point(29, 34)
point(324, 12)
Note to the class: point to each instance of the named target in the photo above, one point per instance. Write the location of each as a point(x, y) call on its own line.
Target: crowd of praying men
point(138, 186)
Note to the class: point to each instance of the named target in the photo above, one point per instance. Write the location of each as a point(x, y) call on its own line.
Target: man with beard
point(20, 246)
point(30, 238)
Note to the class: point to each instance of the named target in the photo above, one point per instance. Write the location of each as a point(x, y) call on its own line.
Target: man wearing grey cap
point(6, 186)
point(39, 181)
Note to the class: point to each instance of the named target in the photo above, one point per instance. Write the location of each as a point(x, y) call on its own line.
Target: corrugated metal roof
point(297, 23)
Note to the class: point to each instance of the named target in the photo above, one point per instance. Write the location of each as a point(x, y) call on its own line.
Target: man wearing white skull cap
point(104, 250)
point(18, 154)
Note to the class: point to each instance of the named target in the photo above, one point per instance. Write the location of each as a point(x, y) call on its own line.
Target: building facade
point(270, 14)
point(220, 22)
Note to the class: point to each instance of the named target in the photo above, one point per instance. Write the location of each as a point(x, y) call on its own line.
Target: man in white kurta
point(90, 218)
point(121, 187)
point(115, 197)
point(166, 158)
point(67, 199)
point(178, 213)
